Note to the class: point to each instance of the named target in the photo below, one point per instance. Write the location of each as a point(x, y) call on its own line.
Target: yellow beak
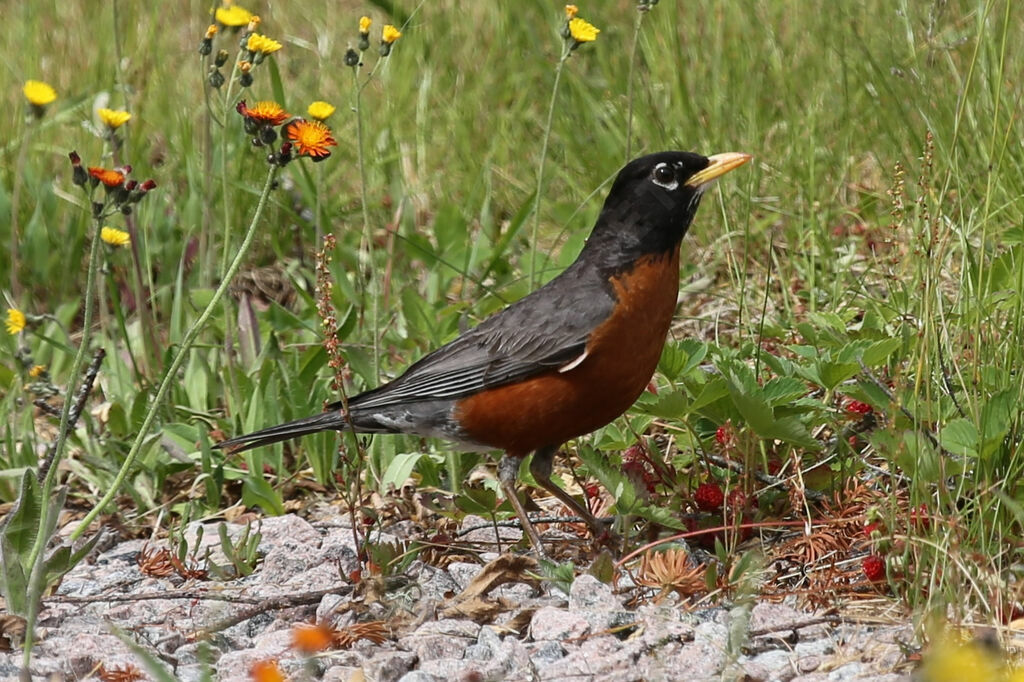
point(720, 165)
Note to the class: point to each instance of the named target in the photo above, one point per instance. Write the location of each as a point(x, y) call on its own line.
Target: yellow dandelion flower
point(113, 119)
point(232, 15)
point(262, 44)
point(311, 138)
point(211, 31)
point(15, 321)
point(115, 237)
point(320, 110)
point(571, 11)
point(582, 31)
point(390, 34)
point(38, 93)
point(364, 25)
point(37, 371)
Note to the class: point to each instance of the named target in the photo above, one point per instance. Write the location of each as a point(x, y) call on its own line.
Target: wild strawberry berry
point(636, 469)
point(725, 435)
point(874, 567)
point(872, 527)
point(709, 497)
point(634, 453)
point(920, 518)
point(736, 499)
point(857, 408)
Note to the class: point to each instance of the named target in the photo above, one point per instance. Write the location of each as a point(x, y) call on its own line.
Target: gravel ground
point(463, 622)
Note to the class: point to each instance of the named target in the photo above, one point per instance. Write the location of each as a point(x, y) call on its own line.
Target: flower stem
point(170, 376)
point(365, 248)
point(629, 84)
point(35, 559)
point(540, 166)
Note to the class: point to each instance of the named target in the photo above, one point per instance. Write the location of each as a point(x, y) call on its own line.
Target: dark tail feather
point(327, 421)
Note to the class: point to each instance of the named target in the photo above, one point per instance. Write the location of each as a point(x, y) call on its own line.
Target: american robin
point(565, 360)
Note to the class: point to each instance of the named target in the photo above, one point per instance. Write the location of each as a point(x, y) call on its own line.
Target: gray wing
point(545, 330)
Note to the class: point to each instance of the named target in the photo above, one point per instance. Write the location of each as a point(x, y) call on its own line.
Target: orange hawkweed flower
point(311, 138)
point(264, 113)
point(266, 671)
point(110, 178)
point(309, 638)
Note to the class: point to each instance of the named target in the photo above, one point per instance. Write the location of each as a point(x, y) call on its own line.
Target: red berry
point(709, 497)
point(736, 499)
point(856, 407)
point(920, 517)
point(725, 435)
point(640, 473)
point(634, 453)
point(872, 527)
point(874, 567)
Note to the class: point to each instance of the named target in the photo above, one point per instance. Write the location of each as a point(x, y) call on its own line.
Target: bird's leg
point(540, 467)
point(508, 470)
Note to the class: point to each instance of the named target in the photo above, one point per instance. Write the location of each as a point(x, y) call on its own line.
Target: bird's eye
point(665, 176)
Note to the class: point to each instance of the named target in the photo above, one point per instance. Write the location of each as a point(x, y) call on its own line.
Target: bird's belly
point(622, 354)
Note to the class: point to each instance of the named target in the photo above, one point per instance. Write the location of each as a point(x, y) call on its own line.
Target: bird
point(559, 363)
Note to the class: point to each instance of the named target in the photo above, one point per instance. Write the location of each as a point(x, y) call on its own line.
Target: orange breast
point(622, 354)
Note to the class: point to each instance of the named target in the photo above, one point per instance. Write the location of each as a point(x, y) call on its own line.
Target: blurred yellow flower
point(582, 31)
point(113, 119)
point(262, 44)
point(390, 34)
point(115, 237)
point(211, 31)
point(232, 15)
point(15, 321)
point(571, 11)
point(364, 24)
point(37, 371)
point(320, 110)
point(39, 93)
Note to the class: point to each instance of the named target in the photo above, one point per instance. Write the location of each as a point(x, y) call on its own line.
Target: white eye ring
point(662, 179)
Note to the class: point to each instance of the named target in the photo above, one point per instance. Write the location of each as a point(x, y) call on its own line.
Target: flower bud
point(352, 57)
point(267, 135)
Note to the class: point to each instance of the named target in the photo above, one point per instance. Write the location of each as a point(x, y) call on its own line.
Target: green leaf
point(831, 374)
point(661, 515)
point(479, 501)
point(960, 437)
point(257, 492)
point(878, 352)
point(669, 405)
point(746, 396)
point(997, 414)
point(399, 469)
point(782, 390)
point(713, 391)
point(63, 559)
point(613, 480)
